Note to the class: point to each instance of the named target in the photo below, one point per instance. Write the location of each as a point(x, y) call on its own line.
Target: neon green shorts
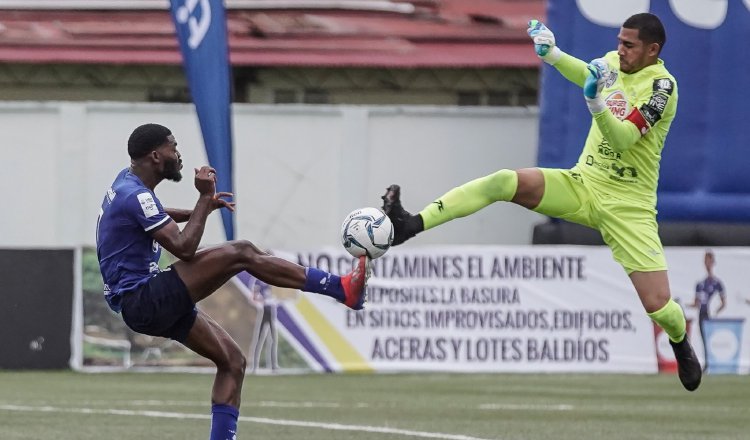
point(630, 231)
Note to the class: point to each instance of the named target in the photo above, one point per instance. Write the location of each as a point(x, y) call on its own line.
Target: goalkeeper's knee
point(498, 186)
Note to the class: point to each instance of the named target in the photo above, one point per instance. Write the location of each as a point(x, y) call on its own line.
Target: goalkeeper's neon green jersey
point(622, 153)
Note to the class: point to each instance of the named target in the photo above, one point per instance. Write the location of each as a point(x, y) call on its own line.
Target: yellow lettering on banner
point(344, 353)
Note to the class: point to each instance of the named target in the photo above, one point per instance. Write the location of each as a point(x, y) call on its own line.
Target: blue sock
point(318, 281)
point(224, 422)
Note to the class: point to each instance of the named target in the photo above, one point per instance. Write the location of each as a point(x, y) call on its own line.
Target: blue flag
point(202, 32)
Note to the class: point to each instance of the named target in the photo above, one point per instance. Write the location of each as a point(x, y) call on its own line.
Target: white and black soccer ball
point(367, 231)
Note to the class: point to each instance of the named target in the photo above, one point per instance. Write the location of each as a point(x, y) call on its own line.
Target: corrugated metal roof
point(448, 33)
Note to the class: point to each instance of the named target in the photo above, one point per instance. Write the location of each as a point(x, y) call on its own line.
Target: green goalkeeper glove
point(544, 42)
point(592, 87)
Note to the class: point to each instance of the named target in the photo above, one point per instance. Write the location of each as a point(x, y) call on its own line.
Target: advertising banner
point(482, 309)
point(463, 309)
point(506, 309)
point(723, 339)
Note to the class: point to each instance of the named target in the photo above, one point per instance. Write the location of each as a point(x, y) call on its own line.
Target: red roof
point(447, 33)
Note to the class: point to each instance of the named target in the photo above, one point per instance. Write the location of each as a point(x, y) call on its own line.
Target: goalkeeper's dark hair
point(650, 29)
point(147, 138)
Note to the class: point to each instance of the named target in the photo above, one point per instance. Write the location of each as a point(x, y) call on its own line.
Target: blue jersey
point(128, 256)
point(704, 291)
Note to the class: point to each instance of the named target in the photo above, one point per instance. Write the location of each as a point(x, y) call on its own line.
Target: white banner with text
point(516, 309)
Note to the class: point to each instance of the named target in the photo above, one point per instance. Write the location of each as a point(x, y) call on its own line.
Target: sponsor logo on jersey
point(148, 205)
point(611, 79)
point(606, 152)
point(650, 114)
point(617, 104)
point(664, 85)
point(111, 195)
point(590, 161)
point(621, 171)
point(658, 102)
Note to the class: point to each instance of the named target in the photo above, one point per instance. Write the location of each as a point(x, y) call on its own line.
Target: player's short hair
point(146, 139)
point(650, 29)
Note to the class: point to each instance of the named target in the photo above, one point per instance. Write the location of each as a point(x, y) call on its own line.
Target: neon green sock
point(470, 198)
point(671, 319)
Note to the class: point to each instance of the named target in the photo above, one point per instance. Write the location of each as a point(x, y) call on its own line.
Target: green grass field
point(78, 406)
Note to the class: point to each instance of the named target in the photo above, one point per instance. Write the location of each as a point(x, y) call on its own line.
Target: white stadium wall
point(298, 169)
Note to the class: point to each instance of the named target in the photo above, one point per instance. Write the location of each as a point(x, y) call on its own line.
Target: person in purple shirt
point(132, 228)
point(266, 333)
point(704, 291)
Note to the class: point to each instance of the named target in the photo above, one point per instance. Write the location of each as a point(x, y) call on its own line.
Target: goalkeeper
point(633, 99)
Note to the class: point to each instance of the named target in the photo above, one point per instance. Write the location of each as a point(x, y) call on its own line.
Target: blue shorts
point(161, 307)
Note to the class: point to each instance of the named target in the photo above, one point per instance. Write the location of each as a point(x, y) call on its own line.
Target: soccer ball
point(367, 231)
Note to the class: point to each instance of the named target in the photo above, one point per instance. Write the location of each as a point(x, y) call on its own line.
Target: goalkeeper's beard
point(632, 67)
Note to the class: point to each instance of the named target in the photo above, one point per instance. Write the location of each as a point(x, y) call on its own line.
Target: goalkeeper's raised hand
point(544, 42)
point(592, 87)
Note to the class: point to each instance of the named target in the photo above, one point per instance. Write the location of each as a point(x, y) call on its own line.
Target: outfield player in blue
point(132, 228)
point(704, 292)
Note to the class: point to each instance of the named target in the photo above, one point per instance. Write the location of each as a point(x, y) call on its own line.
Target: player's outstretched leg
point(350, 289)
point(463, 200)
point(671, 318)
point(405, 225)
point(212, 267)
point(355, 284)
point(688, 366)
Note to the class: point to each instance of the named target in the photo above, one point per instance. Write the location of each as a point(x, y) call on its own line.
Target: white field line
point(521, 407)
point(254, 403)
point(262, 420)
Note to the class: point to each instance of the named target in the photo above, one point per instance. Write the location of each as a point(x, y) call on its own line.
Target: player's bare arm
point(179, 215)
point(184, 243)
point(183, 215)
